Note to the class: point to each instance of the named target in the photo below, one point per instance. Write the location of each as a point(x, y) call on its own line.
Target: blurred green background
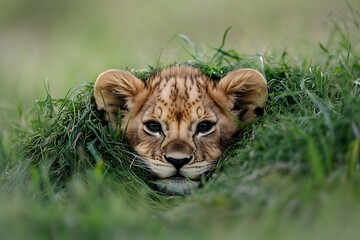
point(68, 42)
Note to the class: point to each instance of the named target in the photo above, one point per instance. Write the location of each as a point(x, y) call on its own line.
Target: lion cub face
point(179, 121)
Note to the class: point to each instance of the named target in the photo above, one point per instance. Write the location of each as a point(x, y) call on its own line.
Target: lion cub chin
point(176, 185)
point(179, 121)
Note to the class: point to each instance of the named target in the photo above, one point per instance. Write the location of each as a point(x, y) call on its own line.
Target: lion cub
point(179, 121)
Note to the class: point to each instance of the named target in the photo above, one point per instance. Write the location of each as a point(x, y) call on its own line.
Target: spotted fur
point(182, 102)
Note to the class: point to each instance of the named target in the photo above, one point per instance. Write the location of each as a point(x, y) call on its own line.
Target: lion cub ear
point(114, 90)
point(245, 91)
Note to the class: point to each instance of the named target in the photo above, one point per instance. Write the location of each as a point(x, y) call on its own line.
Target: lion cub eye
point(153, 127)
point(204, 127)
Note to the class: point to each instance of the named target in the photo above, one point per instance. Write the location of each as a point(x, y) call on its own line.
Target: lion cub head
point(179, 121)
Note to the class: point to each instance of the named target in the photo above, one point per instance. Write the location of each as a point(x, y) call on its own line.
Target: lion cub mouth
point(176, 185)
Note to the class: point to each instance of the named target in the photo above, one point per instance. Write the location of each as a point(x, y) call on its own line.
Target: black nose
point(178, 162)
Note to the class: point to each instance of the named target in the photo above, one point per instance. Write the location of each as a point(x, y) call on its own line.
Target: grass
point(291, 174)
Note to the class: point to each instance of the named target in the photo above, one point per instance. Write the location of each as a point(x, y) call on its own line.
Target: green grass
point(291, 174)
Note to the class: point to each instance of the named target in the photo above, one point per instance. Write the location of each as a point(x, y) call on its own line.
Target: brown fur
point(179, 98)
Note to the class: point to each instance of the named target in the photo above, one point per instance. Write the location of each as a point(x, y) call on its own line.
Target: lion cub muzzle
point(178, 153)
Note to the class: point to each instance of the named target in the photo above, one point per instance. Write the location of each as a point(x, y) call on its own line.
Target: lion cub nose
point(178, 162)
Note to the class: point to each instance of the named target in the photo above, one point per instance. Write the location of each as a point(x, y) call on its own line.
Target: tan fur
point(179, 98)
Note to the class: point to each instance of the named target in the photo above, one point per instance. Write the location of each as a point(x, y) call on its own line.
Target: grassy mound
point(295, 168)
